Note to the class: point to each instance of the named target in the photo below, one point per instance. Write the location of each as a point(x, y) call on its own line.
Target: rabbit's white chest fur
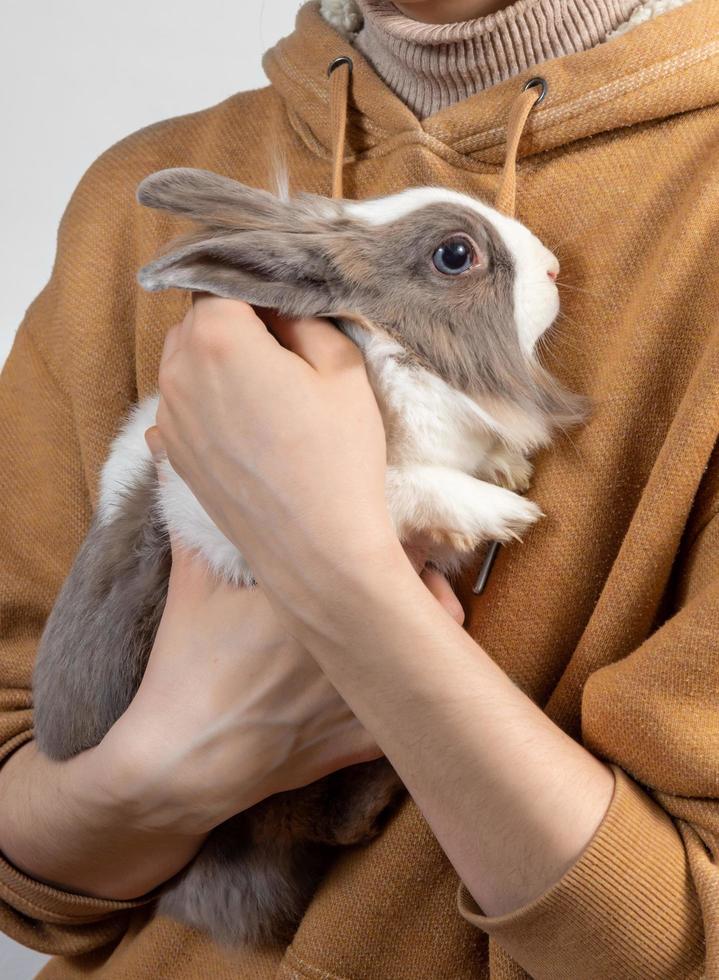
point(441, 447)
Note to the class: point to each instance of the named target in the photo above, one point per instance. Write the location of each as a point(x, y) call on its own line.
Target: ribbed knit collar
point(432, 66)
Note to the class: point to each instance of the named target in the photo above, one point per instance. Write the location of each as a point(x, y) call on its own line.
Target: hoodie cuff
point(46, 903)
point(54, 906)
point(626, 908)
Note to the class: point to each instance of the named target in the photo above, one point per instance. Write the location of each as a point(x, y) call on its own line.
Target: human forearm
point(65, 823)
point(305, 460)
point(511, 798)
point(230, 710)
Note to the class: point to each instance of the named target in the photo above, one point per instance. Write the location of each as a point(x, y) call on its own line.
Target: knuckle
point(211, 336)
point(166, 375)
point(238, 307)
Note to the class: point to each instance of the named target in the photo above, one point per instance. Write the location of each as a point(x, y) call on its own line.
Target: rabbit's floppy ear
point(250, 245)
point(208, 197)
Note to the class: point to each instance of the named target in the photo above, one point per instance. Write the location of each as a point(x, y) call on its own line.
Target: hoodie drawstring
point(340, 72)
point(531, 95)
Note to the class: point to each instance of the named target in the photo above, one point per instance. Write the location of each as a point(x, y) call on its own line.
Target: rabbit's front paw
point(507, 519)
point(514, 516)
point(455, 509)
point(519, 474)
point(511, 469)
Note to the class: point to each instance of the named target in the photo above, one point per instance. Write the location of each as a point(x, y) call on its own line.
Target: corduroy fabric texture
point(607, 615)
point(432, 66)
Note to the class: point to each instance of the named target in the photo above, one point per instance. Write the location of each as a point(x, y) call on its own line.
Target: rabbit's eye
point(454, 256)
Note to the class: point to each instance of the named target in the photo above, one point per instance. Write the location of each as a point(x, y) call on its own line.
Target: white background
point(75, 77)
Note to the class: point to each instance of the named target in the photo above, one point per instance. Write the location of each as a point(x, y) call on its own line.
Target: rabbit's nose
point(553, 270)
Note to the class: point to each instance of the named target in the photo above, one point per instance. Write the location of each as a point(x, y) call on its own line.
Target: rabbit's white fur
point(344, 15)
point(445, 451)
point(449, 436)
point(644, 12)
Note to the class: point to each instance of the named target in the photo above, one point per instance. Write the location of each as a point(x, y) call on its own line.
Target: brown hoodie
point(607, 615)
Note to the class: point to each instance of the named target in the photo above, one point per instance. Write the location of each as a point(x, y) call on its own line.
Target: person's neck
point(450, 11)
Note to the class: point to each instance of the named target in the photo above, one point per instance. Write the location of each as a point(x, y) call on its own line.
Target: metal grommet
point(342, 60)
point(537, 82)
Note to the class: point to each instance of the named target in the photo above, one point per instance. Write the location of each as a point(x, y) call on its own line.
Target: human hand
point(231, 709)
point(279, 436)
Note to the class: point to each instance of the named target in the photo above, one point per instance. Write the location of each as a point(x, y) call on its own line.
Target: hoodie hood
point(668, 65)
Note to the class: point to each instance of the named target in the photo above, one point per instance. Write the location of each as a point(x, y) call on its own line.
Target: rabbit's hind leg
point(256, 873)
point(97, 639)
point(245, 892)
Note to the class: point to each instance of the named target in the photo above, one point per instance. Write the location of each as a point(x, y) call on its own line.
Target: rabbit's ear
point(214, 200)
point(292, 273)
point(249, 244)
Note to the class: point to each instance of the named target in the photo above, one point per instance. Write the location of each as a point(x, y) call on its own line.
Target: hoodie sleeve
point(45, 510)
point(642, 900)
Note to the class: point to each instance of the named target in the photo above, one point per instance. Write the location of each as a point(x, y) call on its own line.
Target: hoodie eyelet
point(342, 60)
point(537, 82)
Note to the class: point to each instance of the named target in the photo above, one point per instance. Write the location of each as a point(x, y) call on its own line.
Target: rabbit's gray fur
point(256, 871)
point(453, 347)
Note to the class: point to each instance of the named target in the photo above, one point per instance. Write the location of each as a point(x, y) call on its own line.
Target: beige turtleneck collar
point(431, 66)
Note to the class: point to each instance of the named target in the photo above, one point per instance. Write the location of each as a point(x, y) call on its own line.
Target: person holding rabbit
point(556, 734)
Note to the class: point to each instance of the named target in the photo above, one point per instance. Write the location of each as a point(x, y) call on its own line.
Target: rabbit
point(447, 299)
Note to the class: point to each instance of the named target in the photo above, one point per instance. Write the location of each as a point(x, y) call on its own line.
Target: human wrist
point(328, 553)
point(191, 785)
point(334, 597)
point(140, 787)
point(114, 790)
point(61, 826)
